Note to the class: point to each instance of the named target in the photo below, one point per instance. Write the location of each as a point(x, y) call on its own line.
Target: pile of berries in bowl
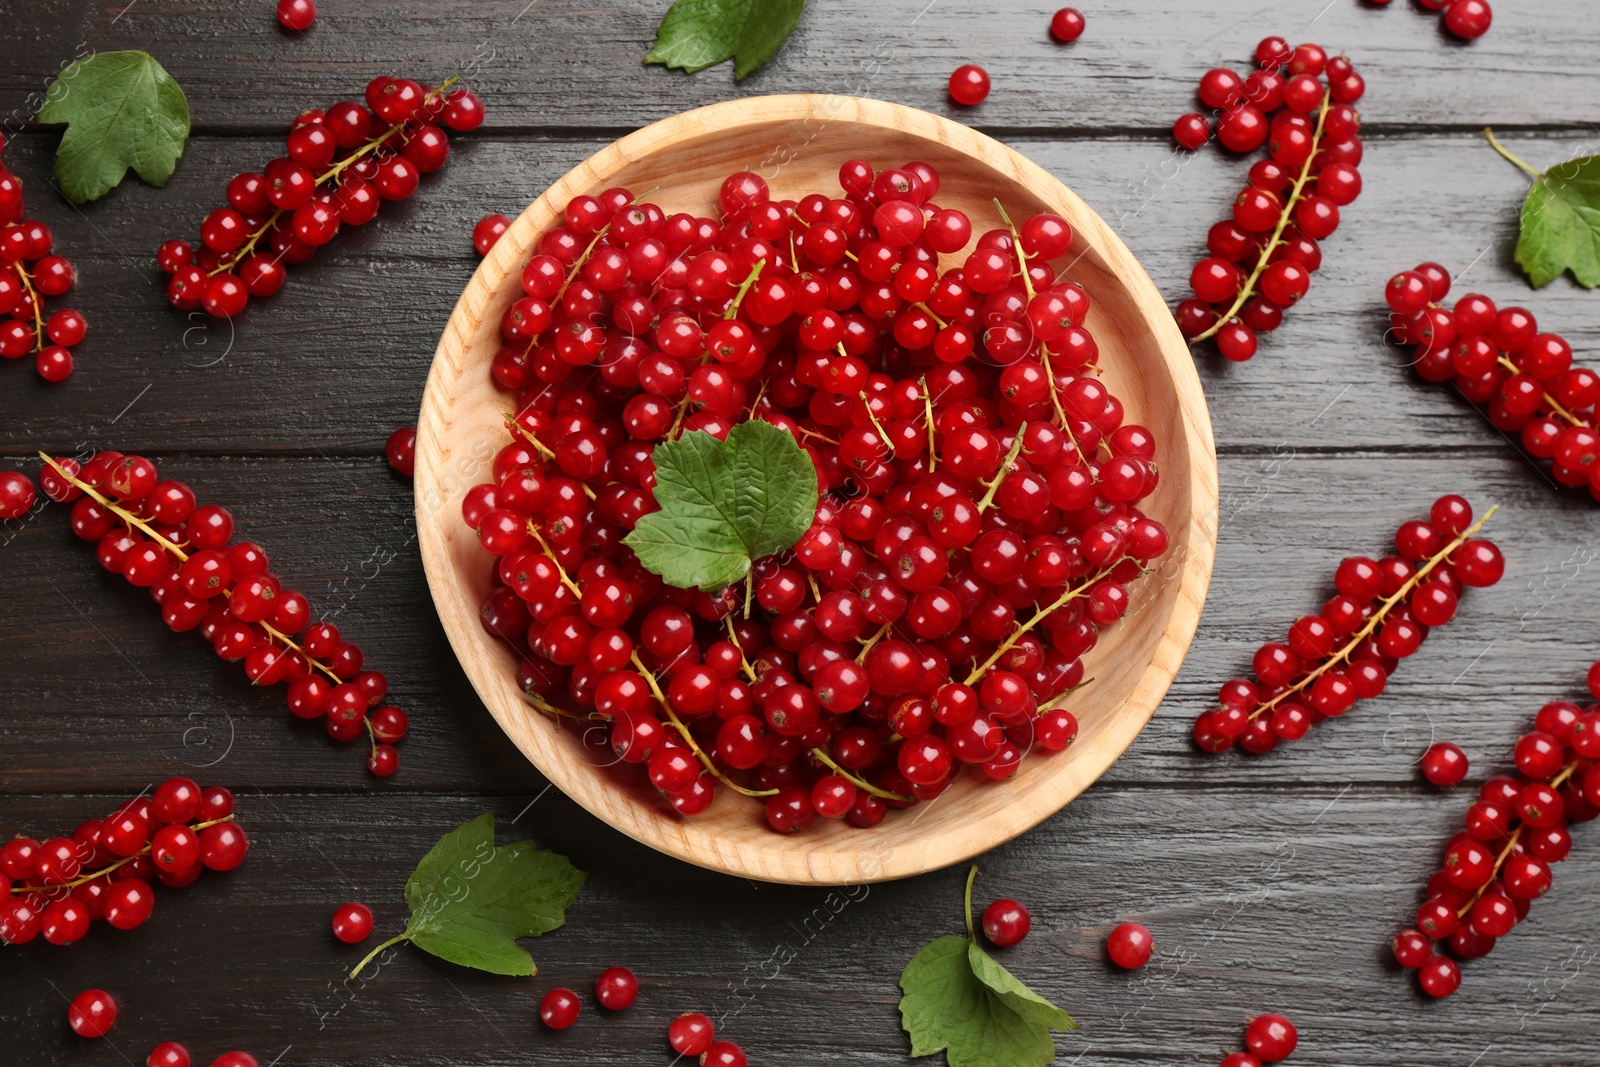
point(784, 502)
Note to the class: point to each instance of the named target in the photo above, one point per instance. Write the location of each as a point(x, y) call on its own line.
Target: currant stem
point(883, 435)
point(866, 646)
point(1248, 290)
point(823, 757)
point(133, 521)
point(103, 871)
point(1377, 619)
point(543, 449)
point(972, 876)
point(1005, 469)
point(1072, 593)
point(533, 531)
point(38, 305)
point(1494, 142)
point(1549, 401)
point(330, 174)
point(688, 737)
point(744, 287)
point(1499, 862)
point(927, 415)
point(1016, 245)
point(406, 936)
point(919, 305)
point(540, 704)
point(733, 639)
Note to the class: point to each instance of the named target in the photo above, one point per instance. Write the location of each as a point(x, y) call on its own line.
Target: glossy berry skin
point(487, 232)
point(401, 450)
point(92, 1013)
point(1439, 976)
point(1006, 922)
point(616, 988)
point(297, 15)
point(724, 1054)
point(352, 923)
point(168, 1054)
point(16, 494)
point(969, 85)
point(1444, 764)
point(1130, 946)
point(1067, 24)
point(558, 1009)
point(1270, 1037)
point(1468, 19)
point(690, 1034)
point(1191, 131)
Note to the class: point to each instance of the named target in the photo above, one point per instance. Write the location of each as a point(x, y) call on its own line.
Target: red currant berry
point(616, 988)
point(1006, 922)
point(1270, 1037)
point(1130, 946)
point(352, 923)
point(690, 1034)
point(558, 1009)
point(92, 1013)
point(969, 84)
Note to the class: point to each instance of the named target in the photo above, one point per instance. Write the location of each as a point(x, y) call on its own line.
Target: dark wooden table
point(1271, 884)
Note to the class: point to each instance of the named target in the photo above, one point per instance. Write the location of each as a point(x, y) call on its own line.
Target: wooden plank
point(1258, 902)
point(337, 359)
point(145, 703)
point(568, 64)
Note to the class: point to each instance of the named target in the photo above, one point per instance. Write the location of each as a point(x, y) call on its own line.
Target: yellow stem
point(1073, 593)
point(1005, 468)
point(1549, 401)
point(533, 531)
point(688, 737)
point(883, 435)
point(38, 305)
point(927, 415)
point(103, 871)
point(1249, 288)
point(1504, 151)
point(866, 646)
point(823, 757)
point(1377, 619)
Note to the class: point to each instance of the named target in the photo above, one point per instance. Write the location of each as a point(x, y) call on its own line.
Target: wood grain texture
point(1147, 365)
point(1272, 884)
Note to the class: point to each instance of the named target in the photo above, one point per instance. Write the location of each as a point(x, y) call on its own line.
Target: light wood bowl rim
point(708, 841)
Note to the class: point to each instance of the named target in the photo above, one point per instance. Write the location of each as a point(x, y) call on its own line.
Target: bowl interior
point(797, 144)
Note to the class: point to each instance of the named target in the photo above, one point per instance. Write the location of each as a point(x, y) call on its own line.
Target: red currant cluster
point(154, 534)
point(1497, 358)
point(1467, 19)
point(978, 484)
point(1495, 868)
point(1381, 613)
point(1300, 103)
point(340, 164)
point(104, 870)
point(29, 272)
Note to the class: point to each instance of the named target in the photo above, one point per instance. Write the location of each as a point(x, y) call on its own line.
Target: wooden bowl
point(797, 143)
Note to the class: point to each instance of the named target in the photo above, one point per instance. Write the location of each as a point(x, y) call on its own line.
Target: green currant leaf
point(470, 900)
point(960, 1001)
point(725, 504)
point(122, 109)
point(696, 34)
point(1561, 224)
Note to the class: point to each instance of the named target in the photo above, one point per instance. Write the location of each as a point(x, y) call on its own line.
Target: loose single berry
point(352, 923)
point(487, 232)
point(1444, 764)
point(16, 494)
point(1067, 24)
point(690, 1034)
point(401, 450)
point(1130, 945)
point(92, 1013)
point(297, 14)
point(1270, 1037)
point(168, 1054)
point(616, 988)
point(1006, 922)
point(969, 85)
point(558, 1009)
